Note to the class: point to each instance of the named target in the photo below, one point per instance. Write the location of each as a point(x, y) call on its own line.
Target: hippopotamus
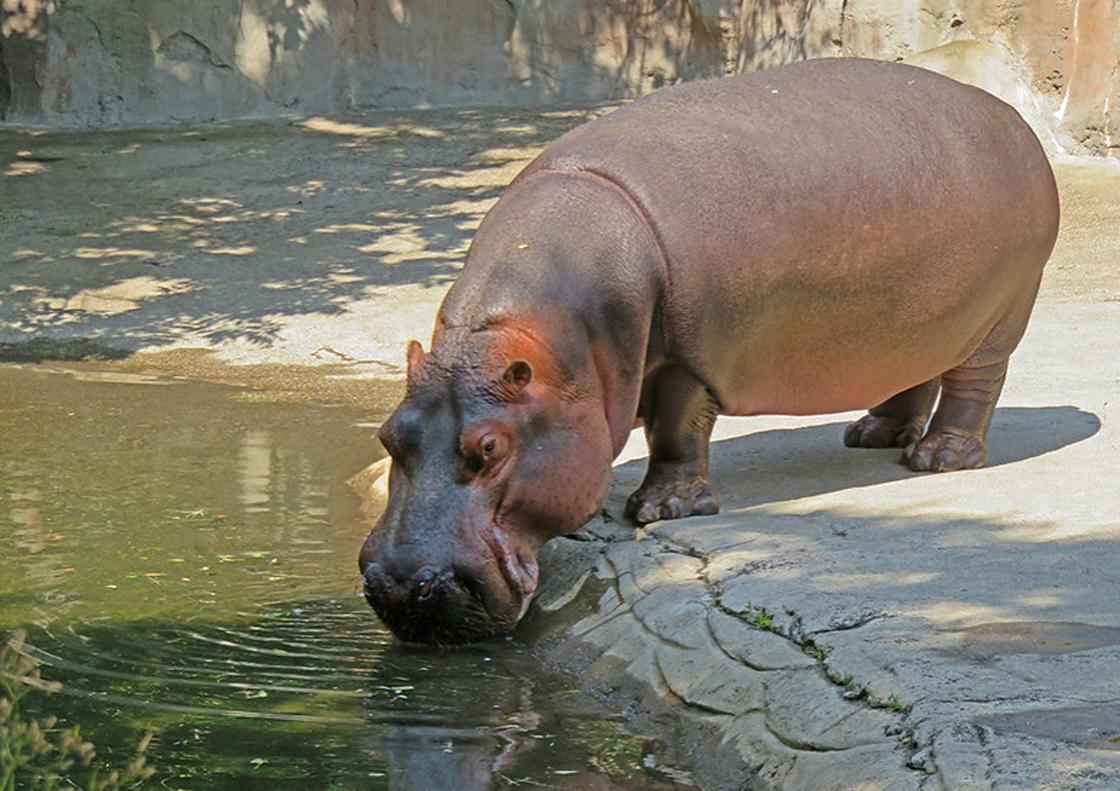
point(831, 235)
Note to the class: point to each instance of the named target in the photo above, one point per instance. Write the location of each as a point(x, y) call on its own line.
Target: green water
point(183, 558)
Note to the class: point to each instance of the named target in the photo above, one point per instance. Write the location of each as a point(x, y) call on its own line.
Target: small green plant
point(846, 680)
point(818, 653)
point(37, 756)
point(894, 704)
point(758, 617)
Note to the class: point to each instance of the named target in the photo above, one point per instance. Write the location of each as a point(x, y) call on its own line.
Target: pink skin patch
point(519, 570)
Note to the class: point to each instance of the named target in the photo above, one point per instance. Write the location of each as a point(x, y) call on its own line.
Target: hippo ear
point(415, 357)
point(517, 376)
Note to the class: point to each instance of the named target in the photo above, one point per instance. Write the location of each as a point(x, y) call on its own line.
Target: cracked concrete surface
point(843, 623)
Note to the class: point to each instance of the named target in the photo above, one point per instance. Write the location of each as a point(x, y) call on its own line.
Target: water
point(183, 558)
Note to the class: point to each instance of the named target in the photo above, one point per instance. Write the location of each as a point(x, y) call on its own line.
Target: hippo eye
point(491, 447)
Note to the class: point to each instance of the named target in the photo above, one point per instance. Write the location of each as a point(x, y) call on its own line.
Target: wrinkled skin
point(826, 236)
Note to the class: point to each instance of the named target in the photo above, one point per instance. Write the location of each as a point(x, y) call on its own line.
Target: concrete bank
point(842, 624)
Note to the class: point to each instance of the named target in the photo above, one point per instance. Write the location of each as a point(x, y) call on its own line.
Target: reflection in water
point(255, 470)
point(185, 563)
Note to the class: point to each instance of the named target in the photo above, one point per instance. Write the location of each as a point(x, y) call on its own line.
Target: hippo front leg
point(679, 413)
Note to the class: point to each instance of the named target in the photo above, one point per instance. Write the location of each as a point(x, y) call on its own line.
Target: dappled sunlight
point(749, 559)
point(476, 178)
point(243, 250)
point(29, 163)
point(871, 579)
point(843, 545)
point(526, 130)
point(595, 111)
point(1044, 600)
point(24, 18)
point(22, 168)
point(308, 189)
point(948, 572)
point(406, 243)
point(120, 297)
point(350, 227)
point(98, 253)
point(344, 276)
point(503, 155)
point(1016, 529)
point(961, 613)
point(362, 132)
point(164, 223)
point(210, 205)
point(282, 259)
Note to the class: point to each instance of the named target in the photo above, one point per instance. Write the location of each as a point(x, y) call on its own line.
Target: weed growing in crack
point(894, 704)
point(753, 616)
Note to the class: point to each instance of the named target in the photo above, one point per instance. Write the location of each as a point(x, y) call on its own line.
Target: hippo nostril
point(425, 584)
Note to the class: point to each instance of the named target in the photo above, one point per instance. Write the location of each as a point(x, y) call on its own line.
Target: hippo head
point(494, 452)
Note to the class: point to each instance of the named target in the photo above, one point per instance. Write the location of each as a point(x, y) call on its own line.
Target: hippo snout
point(430, 605)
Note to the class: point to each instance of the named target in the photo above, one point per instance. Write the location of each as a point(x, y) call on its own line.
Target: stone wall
point(105, 62)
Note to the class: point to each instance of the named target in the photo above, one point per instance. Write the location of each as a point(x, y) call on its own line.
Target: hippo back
point(846, 203)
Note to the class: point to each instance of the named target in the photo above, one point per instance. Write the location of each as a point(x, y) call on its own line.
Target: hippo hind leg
point(897, 422)
point(957, 436)
point(678, 412)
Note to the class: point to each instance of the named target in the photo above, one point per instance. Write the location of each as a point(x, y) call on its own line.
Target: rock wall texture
point(104, 62)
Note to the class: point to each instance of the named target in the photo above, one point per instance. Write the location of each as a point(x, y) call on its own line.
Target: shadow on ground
point(790, 464)
point(121, 240)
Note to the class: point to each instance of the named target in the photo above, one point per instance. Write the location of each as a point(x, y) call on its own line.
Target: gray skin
point(825, 236)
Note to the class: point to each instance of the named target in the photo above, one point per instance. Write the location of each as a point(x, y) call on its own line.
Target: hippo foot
point(883, 431)
point(672, 498)
point(945, 451)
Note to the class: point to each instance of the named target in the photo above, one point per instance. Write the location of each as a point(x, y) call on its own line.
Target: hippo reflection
point(826, 236)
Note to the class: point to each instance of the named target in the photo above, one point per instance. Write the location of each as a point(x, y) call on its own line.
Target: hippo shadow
point(789, 464)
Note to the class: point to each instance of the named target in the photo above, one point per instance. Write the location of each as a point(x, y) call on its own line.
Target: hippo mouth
point(474, 588)
point(453, 614)
point(518, 567)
